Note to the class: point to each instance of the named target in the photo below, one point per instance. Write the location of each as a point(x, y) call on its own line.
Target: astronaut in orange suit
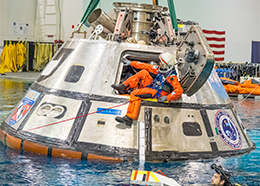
point(149, 83)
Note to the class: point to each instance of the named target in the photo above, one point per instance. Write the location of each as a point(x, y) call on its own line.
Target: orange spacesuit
point(148, 83)
point(144, 77)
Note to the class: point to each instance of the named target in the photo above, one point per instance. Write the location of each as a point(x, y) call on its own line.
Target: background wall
point(72, 12)
point(19, 11)
point(239, 18)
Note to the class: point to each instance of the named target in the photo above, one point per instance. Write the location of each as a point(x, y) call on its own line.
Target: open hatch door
point(195, 60)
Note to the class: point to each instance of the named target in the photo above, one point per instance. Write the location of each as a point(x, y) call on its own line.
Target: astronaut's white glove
point(162, 99)
point(126, 61)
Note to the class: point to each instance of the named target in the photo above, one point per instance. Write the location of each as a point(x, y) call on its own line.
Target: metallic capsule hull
point(69, 111)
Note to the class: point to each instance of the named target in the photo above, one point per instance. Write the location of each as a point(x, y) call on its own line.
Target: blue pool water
point(23, 168)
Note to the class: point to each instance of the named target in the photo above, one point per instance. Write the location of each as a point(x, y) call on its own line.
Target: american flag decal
point(216, 40)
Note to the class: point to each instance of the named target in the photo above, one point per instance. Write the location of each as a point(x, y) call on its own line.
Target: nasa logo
point(24, 106)
point(227, 130)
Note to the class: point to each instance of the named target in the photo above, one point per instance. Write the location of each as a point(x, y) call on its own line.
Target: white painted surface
point(239, 18)
point(141, 126)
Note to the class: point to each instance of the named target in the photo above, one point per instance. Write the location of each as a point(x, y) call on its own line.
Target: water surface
point(24, 168)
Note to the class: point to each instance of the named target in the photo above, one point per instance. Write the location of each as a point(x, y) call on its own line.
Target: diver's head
point(167, 59)
point(216, 180)
point(221, 177)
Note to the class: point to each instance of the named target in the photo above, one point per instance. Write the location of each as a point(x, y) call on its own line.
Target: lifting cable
point(43, 126)
point(155, 2)
point(92, 5)
point(247, 96)
point(173, 15)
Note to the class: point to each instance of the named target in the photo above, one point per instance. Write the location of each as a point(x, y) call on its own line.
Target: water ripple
point(30, 169)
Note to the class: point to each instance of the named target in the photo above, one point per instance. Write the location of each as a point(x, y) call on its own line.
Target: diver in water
point(221, 177)
point(152, 81)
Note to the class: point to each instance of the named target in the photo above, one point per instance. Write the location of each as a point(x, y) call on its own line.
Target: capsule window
point(166, 120)
point(74, 74)
point(191, 129)
point(156, 118)
point(55, 63)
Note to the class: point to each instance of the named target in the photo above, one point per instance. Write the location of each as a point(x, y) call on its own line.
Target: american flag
point(216, 40)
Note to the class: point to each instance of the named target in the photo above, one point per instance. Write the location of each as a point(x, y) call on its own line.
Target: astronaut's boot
point(126, 120)
point(121, 88)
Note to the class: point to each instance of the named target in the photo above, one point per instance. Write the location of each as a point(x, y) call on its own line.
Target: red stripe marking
point(219, 52)
point(74, 117)
point(147, 177)
point(214, 32)
point(160, 172)
point(135, 175)
point(162, 59)
point(215, 39)
point(219, 59)
point(119, 21)
point(217, 45)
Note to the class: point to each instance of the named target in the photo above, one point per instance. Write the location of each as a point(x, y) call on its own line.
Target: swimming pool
point(23, 168)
